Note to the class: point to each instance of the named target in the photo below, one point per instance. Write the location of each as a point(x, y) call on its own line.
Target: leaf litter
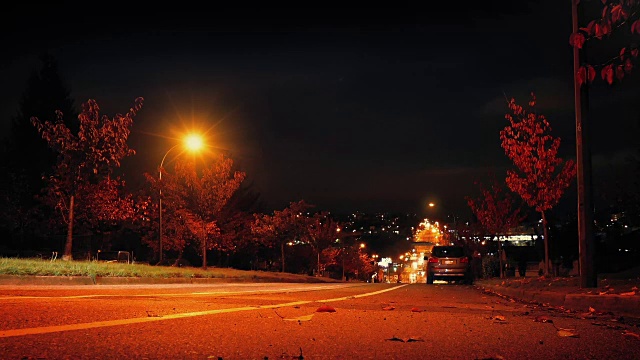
point(325, 308)
point(409, 339)
point(299, 318)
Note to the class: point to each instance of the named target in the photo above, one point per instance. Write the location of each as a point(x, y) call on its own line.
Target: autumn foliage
point(193, 202)
point(541, 176)
point(82, 175)
point(284, 226)
point(321, 233)
point(496, 211)
point(616, 15)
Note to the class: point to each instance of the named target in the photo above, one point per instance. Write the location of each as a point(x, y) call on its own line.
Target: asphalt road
point(282, 321)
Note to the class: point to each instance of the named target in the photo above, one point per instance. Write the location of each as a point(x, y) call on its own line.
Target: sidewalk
point(617, 294)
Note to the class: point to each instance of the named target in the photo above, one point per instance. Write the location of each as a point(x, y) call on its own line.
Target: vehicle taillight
point(432, 260)
point(464, 260)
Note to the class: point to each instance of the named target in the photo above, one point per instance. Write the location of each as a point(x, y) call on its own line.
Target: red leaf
point(635, 27)
point(415, 309)
point(606, 27)
point(619, 72)
point(576, 40)
point(607, 73)
point(628, 65)
point(591, 73)
point(590, 27)
point(634, 52)
point(325, 308)
point(598, 31)
point(389, 308)
point(622, 51)
point(617, 13)
point(605, 11)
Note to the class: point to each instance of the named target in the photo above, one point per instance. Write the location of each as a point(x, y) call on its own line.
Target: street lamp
point(193, 143)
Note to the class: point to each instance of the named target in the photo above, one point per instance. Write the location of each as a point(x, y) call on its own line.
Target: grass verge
point(93, 269)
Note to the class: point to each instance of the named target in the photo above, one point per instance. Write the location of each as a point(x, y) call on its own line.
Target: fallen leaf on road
point(152, 314)
point(497, 357)
point(499, 318)
point(300, 318)
point(395, 339)
point(389, 308)
point(630, 293)
point(567, 333)
point(591, 310)
point(542, 319)
point(325, 308)
point(415, 309)
point(409, 339)
point(632, 334)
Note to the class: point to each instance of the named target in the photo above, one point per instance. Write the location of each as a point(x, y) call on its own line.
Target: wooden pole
point(588, 277)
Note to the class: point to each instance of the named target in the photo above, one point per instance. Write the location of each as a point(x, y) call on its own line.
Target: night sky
point(349, 109)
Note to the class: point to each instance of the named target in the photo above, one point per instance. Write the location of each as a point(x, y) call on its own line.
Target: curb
point(45, 280)
point(111, 280)
point(623, 305)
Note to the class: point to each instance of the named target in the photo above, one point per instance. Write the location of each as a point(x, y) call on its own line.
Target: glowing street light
point(192, 142)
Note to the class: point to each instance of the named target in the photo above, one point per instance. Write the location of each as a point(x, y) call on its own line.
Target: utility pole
point(588, 277)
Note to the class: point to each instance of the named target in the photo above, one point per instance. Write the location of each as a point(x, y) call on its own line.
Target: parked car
point(448, 263)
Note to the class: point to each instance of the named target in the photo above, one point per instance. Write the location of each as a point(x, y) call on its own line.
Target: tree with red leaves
point(614, 15)
point(195, 201)
point(282, 227)
point(540, 177)
point(85, 164)
point(321, 233)
point(495, 210)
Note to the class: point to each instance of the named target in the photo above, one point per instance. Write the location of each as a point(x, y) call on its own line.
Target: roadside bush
point(490, 267)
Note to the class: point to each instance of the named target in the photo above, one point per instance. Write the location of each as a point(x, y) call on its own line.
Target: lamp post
point(362, 246)
point(193, 143)
point(433, 205)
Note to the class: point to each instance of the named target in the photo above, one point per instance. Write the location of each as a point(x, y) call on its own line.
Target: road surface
point(297, 321)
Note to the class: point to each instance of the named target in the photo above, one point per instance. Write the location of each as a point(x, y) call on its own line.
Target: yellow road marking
point(97, 324)
point(236, 292)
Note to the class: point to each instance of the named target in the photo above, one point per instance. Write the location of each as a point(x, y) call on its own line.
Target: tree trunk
point(282, 255)
point(318, 262)
point(69, 244)
point(546, 243)
point(204, 246)
point(500, 257)
point(177, 262)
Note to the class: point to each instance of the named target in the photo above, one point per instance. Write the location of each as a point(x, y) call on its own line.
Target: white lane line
point(98, 324)
point(230, 292)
